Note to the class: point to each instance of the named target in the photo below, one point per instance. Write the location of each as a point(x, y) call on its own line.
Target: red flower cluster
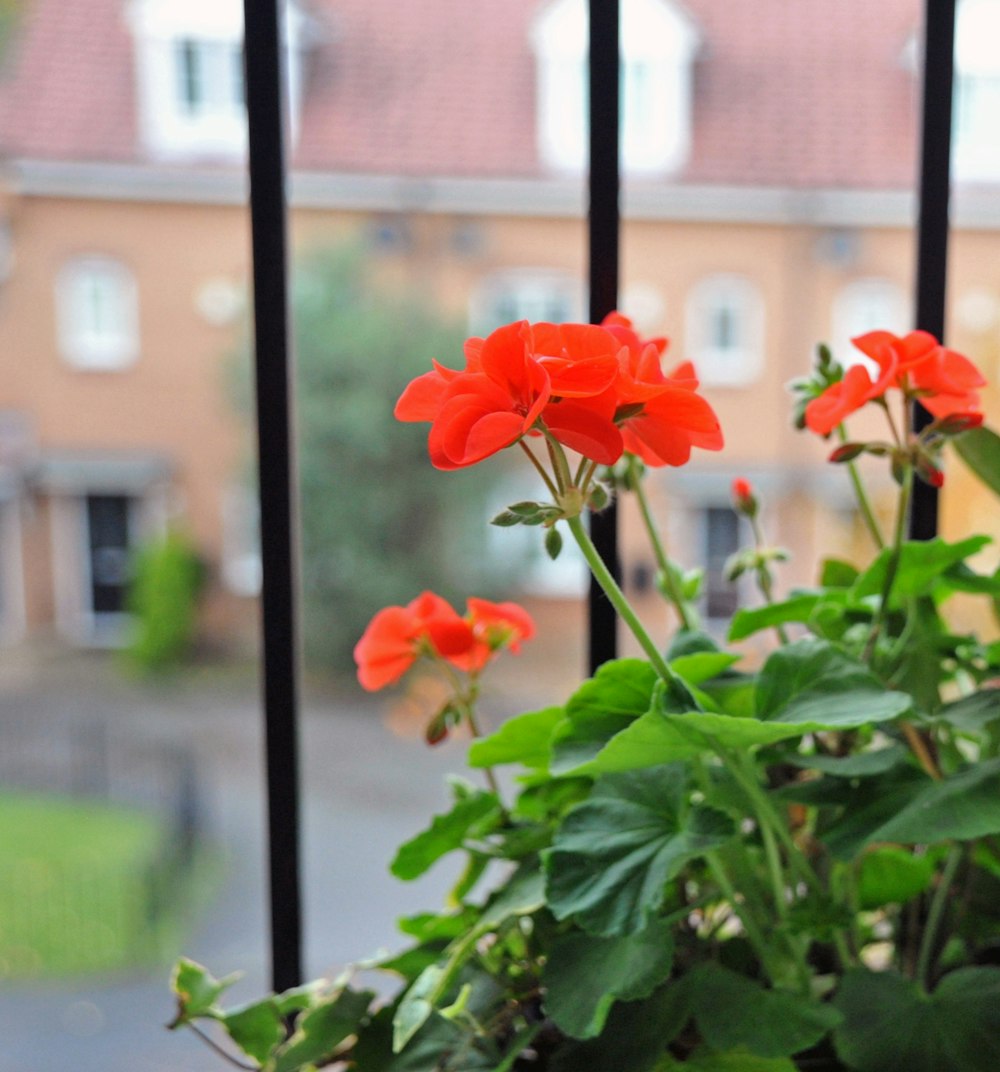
point(429, 626)
point(944, 381)
point(598, 390)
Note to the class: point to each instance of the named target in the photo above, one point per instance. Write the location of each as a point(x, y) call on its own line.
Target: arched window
point(97, 313)
point(975, 144)
point(724, 329)
point(658, 42)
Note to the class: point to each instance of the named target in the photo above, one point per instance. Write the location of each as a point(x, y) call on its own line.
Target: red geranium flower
point(917, 364)
point(495, 626)
point(397, 636)
point(840, 400)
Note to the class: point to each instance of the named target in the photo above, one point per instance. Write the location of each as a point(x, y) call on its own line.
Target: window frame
point(736, 366)
point(85, 345)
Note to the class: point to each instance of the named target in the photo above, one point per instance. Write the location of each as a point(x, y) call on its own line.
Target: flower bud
point(744, 500)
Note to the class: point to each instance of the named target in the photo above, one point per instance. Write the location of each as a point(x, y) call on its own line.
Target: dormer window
point(975, 142)
point(658, 42)
point(189, 70)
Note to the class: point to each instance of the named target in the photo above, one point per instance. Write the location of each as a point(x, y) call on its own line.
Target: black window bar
point(264, 63)
point(933, 221)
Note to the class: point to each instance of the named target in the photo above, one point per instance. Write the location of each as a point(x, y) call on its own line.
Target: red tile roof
point(786, 92)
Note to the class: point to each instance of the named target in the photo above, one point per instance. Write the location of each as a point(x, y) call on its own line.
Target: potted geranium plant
point(706, 865)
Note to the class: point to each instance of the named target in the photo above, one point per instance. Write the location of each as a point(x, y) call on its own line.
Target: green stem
point(617, 597)
point(892, 566)
point(935, 915)
point(763, 573)
point(767, 816)
point(559, 463)
point(674, 594)
point(864, 504)
point(465, 699)
point(541, 469)
point(754, 932)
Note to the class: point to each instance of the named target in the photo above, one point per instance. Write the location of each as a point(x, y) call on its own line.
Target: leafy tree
point(378, 524)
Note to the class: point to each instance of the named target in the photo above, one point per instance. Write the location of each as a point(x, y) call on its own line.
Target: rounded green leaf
point(613, 856)
point(584, 975)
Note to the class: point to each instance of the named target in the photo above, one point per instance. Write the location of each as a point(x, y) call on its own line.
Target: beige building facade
point(125, 280)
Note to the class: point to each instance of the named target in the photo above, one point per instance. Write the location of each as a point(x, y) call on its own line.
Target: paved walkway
point(365, 790)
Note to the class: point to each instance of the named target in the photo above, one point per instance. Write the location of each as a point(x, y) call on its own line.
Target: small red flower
point(397, 636)
point(917, 364)
point(840, 400)
point(495, 626)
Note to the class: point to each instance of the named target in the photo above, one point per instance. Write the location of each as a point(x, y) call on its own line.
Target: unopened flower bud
point(744, 500)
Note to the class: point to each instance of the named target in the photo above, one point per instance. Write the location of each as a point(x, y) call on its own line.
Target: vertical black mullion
point(932, 228)
point(265, 111)
point(603, 237)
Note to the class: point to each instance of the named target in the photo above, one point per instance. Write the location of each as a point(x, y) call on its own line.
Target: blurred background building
point(769, 154)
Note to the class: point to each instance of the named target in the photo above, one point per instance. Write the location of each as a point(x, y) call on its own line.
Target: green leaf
point(417, 1005)
point(811, 681)
point(892, 876)
point(960, 808)
point(197, 990)
point(614, 854)
point(584, 976)
point(661, 737)
point(836, 573)
point(617, 694)
point(523, 895)
point(634, 1038)
point(437, 1040)
point(322, 1029)
point(522, 739)
point(921, 565)
point(891, 1026)
point(972, 713)
point(702, 666)
point(806, 687)
point(869, 805)
point(861, 765)
point(299, 997)
point(257, 1029)
point(980, 450)
point(733, 1011)
point(446, 833)
point(747, 621)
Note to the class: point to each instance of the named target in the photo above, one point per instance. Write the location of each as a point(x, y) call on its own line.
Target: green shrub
point(167, 579)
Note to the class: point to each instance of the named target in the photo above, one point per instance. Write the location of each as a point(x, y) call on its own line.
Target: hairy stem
point(540, 468)
point(617, 597)
point(674, 594)
point(864, 504)
point(925, 959)
point(892, 566)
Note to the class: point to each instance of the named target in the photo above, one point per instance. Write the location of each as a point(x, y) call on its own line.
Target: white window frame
point(534, 294)
point(731, 366)
point(872, 303)
point(83, 285)
point(976, 138)
point(658, 42)
point(170, 129)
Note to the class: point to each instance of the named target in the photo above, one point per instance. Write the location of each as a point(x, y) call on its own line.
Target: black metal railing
point(264, 58)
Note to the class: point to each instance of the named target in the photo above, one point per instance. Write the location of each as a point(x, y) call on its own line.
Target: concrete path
point(365, 790)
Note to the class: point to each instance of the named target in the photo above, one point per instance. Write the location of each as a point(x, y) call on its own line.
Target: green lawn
point(78, 884)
